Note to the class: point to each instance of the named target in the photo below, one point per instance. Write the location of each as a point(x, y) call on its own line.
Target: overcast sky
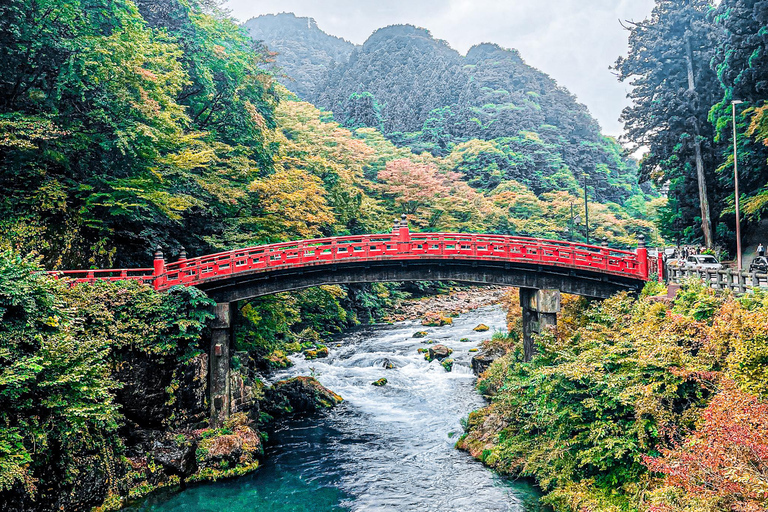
point(573, 41)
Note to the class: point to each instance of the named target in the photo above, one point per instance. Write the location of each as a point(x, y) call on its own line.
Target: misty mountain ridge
point(424, 95)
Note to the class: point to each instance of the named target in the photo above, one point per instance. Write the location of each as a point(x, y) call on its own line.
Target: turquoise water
point(384, 449)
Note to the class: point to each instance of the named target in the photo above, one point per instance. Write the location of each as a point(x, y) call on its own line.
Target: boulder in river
point(420, 334)
point(298, 395)
point(486, 357)
point(481, 328)
point(381, 382)
point(388, 365)
point(436, 320)
point(438, 352)
point(447, 364)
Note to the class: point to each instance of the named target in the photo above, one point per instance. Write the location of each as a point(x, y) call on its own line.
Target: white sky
point(573, 41)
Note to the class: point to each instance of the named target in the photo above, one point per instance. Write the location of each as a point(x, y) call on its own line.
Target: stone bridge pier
point(540, 309)
point(219, 363)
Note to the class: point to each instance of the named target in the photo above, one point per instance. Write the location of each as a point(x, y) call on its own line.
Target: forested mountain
point(304, 52)
point(426, 96)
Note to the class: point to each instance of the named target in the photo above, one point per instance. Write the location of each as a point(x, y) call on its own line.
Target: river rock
point(298, 396)
point(447, 364)
point(176, 454)
point(388, 365)
point(420, 334)
point(381, 382)
point(438, 352)
point(481, 328)
point(436, 320)
point(485, 358)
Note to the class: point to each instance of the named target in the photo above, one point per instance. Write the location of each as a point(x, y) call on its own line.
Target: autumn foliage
point(723, 465)
point(636, 405)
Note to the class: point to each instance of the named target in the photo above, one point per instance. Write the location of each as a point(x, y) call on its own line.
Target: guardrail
point(398, 245)
point(723, 279)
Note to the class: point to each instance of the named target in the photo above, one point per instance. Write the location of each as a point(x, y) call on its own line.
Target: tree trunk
point(706, 220)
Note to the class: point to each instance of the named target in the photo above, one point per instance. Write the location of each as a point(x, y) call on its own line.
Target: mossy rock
point(422, 350)
point(420, 334)
point(429, 342)
point(465, 340)
point(381, 382)
point(474, 350)
point(278, 359)
point(439, 352)
point(481, 328)
point(322, 351)
point(447, 364)
point(432, 320)
point(293, 347)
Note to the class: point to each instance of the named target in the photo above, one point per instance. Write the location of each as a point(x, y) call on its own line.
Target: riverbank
point(456, 301)
point(636, 405)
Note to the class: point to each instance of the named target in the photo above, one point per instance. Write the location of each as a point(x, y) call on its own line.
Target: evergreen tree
point(673, 90)
point(741, 62)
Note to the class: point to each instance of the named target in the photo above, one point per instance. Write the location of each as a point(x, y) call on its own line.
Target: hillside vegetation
point(636, 404)
point(424, 95)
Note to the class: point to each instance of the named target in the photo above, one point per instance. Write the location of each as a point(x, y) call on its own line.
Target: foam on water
point(385, 448)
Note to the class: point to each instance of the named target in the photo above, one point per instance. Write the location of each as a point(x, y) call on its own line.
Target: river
point(385, 448)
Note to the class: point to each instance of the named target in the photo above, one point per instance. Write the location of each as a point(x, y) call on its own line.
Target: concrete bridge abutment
point(220, 349)
point(540, 309)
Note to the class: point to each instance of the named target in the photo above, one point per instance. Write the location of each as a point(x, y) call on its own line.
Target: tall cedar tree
point(673, 90)
point(741, 62)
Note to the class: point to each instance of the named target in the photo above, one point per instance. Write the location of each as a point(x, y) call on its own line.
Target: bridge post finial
point(641, 241)
point(604, 242)
point(182, 254)
point(405, 234)
point(396, 226)
point(159, 268)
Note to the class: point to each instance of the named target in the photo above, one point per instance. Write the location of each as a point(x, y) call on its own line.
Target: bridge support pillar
point(218, 363)
point(540, 308)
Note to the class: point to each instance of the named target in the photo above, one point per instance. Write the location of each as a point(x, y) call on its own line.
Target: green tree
point(740, 62)
point(673, 90)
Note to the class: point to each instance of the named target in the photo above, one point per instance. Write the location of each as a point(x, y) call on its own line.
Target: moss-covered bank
point(636, 404)
point(103, 394)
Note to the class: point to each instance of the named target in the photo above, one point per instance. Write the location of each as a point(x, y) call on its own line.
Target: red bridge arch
point(398, 256)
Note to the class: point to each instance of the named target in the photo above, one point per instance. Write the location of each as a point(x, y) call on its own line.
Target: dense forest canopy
point(426, 96)
point(687, 62)
point(131, 125)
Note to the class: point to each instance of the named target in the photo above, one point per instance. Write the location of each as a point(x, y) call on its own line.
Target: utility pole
point(736, 186)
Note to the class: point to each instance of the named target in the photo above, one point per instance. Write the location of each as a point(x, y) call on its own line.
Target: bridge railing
point(145, 275)
point(722, 279)
point(394, 246)
point(399, 245)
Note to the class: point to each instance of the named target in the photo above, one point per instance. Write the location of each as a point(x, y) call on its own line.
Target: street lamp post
point(736, 186)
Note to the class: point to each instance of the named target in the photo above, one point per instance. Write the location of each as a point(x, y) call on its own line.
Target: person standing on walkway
point(760, 250)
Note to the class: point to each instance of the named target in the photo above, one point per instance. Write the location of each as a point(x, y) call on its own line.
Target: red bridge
point(398, 256)
point(540, 268)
